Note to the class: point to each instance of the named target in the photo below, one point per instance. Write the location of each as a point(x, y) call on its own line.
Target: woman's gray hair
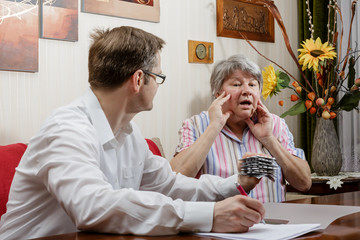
point(223, 69)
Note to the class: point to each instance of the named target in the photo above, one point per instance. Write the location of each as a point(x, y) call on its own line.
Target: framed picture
point(239, 18)
point(59, 19)
point(19, 35)
point(147, 10)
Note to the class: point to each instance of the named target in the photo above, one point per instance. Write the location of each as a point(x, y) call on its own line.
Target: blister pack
point(258, 166)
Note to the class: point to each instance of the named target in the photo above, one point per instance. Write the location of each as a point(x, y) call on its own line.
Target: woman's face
point(245, 94)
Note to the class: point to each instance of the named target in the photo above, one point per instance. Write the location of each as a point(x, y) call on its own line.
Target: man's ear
point(137, 80)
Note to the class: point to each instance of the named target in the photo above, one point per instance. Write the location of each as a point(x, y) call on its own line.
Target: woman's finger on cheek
point(227, 97)
point(260, 105)
point(220, 95)
point(263, 106)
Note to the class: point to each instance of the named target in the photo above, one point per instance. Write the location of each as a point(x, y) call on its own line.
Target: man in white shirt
point(89, 168)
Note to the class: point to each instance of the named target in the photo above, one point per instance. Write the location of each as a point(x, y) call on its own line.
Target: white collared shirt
point(77, 175)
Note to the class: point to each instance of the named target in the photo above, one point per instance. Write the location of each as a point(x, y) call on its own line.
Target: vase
point(326, 158)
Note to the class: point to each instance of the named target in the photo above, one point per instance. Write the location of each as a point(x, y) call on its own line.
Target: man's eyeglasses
point(159, 78)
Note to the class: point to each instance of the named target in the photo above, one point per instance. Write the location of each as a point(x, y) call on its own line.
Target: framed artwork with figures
point(243, 18)
point(146, 10)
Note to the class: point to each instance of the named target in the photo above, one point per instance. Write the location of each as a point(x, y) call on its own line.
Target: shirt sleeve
point(287, 139)
point(197, 211)
point(166, 203)
point(188, 133)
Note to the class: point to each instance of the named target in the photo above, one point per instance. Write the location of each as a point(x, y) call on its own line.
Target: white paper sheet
point(296, 213)
point(268, 232)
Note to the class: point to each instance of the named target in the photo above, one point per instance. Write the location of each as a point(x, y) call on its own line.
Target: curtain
point(349, 122)
point(319, 13)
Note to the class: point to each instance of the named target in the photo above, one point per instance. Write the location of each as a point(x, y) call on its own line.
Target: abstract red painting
point(148, 10)
point(59, 19)
point(19, 35)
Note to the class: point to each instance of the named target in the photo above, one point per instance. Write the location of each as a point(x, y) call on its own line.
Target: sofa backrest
point(155, 146)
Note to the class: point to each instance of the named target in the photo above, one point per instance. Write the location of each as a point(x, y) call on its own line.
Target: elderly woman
point(236, 125)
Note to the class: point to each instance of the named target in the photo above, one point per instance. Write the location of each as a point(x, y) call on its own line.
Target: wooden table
point(347, 227)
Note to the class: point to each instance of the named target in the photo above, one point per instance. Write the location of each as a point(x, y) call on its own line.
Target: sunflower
point(314, 51)
point(270, 81)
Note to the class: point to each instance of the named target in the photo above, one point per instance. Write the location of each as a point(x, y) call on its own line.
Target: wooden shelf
point(319, 186)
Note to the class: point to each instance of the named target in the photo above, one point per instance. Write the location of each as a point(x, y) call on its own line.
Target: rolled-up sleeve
point(286, 138)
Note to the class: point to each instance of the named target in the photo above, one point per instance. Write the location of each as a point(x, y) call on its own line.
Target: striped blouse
point(228, 148)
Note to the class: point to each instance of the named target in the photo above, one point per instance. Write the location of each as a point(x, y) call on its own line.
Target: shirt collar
point(227, 131)
point(100, 122)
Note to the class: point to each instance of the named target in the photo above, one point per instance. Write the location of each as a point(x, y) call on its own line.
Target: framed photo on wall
point(147, 10)
point(235, 18)
point(19, 35)
point(59, 19)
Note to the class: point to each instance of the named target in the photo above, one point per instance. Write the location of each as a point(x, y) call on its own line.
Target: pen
point(242, 191)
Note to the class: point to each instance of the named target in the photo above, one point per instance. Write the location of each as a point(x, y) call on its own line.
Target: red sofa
point(10, 156)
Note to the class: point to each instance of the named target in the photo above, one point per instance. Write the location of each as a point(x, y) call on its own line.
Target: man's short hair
point(116, 54)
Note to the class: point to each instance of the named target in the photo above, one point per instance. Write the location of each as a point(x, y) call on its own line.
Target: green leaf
point(351, 78)
point(349, 101)
point(280, 81)
point(285, 79)
point(295, 110)
point(278, 86)
point(274, 93)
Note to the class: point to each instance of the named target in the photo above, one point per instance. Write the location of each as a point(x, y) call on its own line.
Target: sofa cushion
point(154, 146)
point(10, 156)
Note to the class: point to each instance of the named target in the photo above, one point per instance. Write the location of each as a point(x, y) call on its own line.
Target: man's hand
point(237, 214)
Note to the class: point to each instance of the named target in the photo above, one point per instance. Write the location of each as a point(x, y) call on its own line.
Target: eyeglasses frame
point(162, 76)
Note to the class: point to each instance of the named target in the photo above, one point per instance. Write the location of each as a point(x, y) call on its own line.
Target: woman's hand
point(217, 117)
point(262, 129)
point(246, 182)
